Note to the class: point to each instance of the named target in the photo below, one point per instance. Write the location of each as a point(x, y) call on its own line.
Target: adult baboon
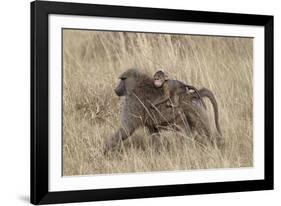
point(139, 93)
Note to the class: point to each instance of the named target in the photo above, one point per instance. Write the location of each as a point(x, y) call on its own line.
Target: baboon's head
point(159, 78)
point(128, 82)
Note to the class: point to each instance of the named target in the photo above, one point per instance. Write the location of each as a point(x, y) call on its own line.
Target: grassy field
point(93, 61)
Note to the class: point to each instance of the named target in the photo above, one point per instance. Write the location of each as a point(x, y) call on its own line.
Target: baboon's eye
point(122, 78)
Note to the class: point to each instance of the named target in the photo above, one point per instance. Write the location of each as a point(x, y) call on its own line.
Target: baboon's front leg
point(118, 136)
point(153, 131)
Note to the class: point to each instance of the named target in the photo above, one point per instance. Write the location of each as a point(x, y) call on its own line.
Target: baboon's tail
point(207, 93)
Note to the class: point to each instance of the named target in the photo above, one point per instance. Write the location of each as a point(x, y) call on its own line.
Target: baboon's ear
point(166, 77)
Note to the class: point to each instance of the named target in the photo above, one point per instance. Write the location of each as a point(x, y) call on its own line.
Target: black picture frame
point(40, 110)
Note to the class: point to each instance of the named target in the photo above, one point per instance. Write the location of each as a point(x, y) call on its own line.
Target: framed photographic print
point(131, 102)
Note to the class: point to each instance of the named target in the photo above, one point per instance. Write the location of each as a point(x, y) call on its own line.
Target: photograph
point(136, 101)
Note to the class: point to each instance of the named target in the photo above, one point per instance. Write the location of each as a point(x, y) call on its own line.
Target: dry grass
point(92, 62)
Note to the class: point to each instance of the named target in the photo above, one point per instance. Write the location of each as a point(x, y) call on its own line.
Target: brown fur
point(139, 91)
point(172, 89)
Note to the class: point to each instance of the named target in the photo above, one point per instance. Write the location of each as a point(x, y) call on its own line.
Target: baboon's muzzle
point(117, 92)
point(120, 90)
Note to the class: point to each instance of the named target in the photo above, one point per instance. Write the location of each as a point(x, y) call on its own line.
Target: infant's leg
point(174, 102)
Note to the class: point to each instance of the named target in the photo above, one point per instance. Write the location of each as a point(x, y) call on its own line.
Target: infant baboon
point(171, 89)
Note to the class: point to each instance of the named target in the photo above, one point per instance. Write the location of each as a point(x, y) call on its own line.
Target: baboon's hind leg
point(155, 137)
point(182, 123)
